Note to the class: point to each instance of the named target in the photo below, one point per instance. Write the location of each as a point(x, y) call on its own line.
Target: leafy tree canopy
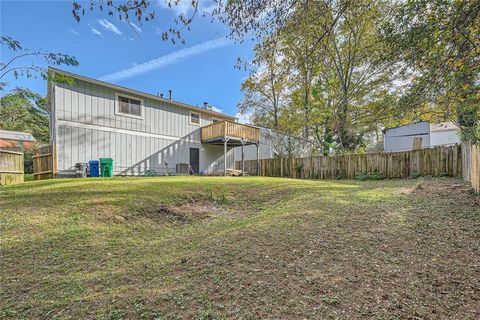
point(23, 110)
point(437, 44)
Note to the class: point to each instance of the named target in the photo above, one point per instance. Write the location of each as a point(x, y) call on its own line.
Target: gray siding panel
point(401, 138)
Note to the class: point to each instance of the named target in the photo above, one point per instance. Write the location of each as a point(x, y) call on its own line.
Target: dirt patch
point(185, 212)
point(449, 191)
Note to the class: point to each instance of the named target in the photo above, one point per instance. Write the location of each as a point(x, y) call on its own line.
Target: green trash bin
point(106, 167)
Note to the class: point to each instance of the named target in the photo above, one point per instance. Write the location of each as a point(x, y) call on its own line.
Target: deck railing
point(229, 129)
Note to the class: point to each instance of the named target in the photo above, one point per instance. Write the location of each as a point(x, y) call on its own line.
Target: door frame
point(190, 159)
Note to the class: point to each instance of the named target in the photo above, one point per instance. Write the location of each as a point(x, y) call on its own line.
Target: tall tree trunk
point(306, 101)
point(275, 113)
point(342, 126)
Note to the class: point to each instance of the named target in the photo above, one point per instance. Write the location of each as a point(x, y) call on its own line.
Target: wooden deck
point(232, 132)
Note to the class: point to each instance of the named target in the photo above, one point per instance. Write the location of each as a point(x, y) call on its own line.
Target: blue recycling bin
point(94, 166)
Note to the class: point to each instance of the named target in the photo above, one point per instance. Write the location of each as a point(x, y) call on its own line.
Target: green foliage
point(437, 44)
point(415, 175)
point(23, 110)
point(358, 68)
point(340, 88)
point(371, 175)
point(19, 66)
point(221, 199)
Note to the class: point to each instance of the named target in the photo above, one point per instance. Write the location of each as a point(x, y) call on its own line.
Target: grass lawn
point(248, 248)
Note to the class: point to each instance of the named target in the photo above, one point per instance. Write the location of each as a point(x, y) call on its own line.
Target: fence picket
point(454, 161)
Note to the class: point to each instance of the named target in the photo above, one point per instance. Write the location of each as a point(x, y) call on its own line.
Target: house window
point(215, 120)
point(194, 118)
point(129, 106)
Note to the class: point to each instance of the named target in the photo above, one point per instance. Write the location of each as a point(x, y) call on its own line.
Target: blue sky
point(200, 70)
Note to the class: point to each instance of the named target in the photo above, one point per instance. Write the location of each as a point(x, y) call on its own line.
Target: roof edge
point(136, 92)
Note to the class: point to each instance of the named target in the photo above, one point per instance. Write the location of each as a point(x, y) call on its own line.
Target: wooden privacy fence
point(438, 161)
point(11, 167)
point(44, 164)
point(471, 165)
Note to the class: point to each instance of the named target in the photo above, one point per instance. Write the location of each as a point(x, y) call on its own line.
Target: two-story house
point(92, 119)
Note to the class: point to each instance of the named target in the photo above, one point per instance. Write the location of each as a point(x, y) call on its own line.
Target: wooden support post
point(281, 167)
point(243, 159)
point(225, 157)
point(258, 159)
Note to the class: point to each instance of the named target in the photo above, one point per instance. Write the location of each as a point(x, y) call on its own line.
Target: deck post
point(225, 143)
point(243, 159)
point(224, 157)
point(258, 158)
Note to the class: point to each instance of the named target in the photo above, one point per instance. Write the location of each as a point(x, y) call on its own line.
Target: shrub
point(372, 175)
point(415, 175)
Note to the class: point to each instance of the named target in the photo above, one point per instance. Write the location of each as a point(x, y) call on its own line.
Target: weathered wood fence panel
point(44, 164)
point(439, 161)
point(471, 165)
point(11, 167)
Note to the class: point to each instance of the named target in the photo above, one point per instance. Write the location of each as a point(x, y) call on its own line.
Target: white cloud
point(75, 32)
point(184, 7)
point(137, 28)
point(109, 26)
point(217, 109)
point(244, 118)
point(95, 31)
point(166, 60)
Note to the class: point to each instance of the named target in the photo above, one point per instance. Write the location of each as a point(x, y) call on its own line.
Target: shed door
point(195, 160)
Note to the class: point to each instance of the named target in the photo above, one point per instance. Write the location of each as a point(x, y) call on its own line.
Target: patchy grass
point(249, 248)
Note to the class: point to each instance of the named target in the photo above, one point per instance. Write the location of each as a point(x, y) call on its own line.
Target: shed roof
point(16, 135)
point(443, 126)
point(384, 130)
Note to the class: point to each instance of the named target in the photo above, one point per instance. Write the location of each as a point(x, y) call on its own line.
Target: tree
point(293, 46)
point(23, 110)
point(437, 44)
point(304, 53)
point(359, 73)
point(18, 66)
point(265, 89)
point(245, 19)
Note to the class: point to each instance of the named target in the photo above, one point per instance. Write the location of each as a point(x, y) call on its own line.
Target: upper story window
point(129, 106)
point(194, 118)
point(215, 120)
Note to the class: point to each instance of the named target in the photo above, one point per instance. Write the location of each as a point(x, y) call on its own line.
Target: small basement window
point(129, 106)
point(194, 118)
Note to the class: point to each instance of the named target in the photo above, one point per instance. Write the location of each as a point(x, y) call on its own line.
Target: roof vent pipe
point(161, 95)
point(169, 94)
